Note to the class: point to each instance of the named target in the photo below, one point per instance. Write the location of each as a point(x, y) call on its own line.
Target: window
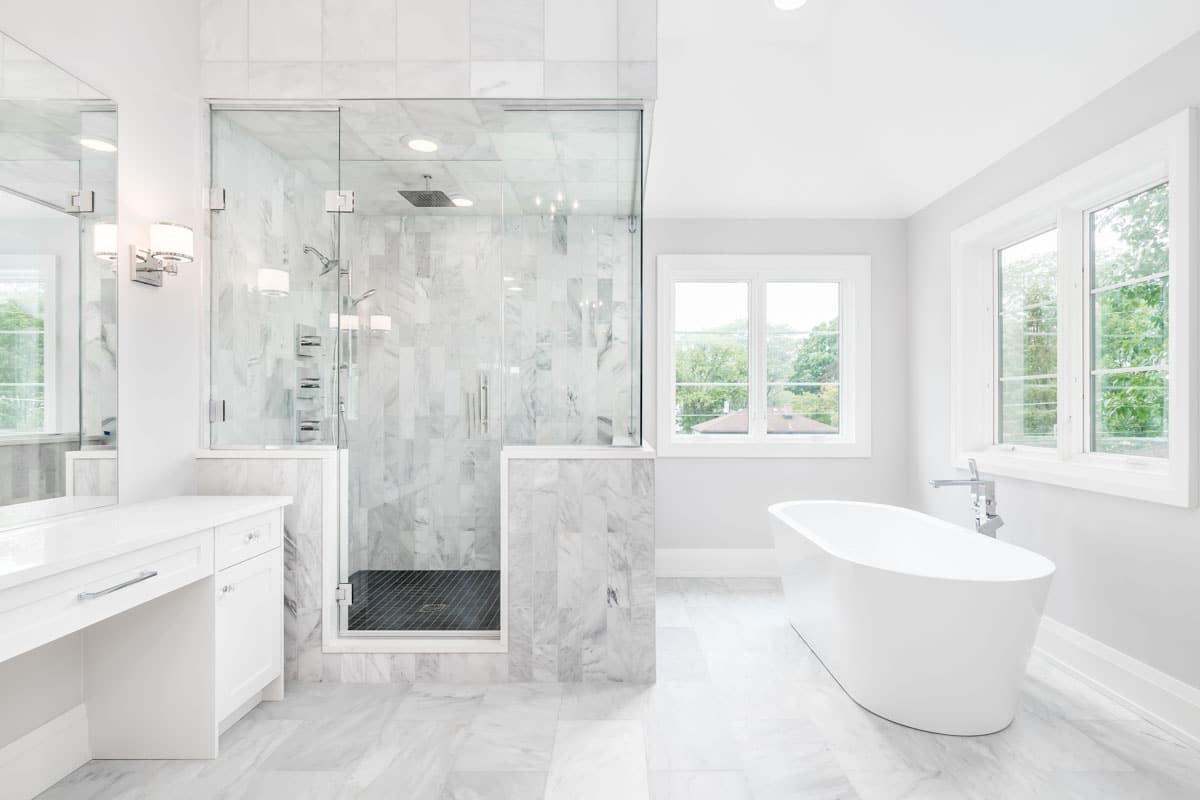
point(1027, 340)
point(764, 355)
point(26, 344)
point(1086, 282)
point(1128, 253)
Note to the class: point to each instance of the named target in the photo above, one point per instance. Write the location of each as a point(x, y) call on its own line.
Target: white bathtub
point(922, 622)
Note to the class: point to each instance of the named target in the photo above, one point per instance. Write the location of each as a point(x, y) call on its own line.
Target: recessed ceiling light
point(463, 202)
point(789, 5)
point(423, 145)
point(100, 145)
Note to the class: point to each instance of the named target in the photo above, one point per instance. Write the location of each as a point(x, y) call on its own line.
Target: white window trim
point(1166, 152)
point(853, 274)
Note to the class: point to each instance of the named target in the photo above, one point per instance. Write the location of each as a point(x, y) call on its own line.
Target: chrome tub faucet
point(983, 498)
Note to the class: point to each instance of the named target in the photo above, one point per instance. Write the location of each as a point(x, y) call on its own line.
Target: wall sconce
point(170, 246)
point(274, 282)
point(380, 322)
point(104, 241)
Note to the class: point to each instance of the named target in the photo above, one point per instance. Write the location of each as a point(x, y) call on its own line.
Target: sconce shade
point(104, 240)
point(380, 322)
point(171, 242)
point(274, 282)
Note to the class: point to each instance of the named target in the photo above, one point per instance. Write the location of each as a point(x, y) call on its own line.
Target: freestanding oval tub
point(925, 623)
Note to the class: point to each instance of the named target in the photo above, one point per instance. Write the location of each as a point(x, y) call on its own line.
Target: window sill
point(739, 447)
point(1137, 479)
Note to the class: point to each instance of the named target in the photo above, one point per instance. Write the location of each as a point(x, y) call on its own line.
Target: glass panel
point(274, 278)
point(572, 275)
point(712, 358)
point(1129, 355)
point(1131, 413)
point(1027, 287)
point(803, 330)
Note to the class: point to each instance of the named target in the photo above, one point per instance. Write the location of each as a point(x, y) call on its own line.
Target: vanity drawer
point(39, 612)
point(247, 538)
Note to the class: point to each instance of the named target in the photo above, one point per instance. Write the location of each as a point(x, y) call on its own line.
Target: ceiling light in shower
point(789, 5)
point(274, 282)
point(559, 197)
point(574, 205)
point(463, 202)
point(422, 145)
point(99, 145)
point(537, 201)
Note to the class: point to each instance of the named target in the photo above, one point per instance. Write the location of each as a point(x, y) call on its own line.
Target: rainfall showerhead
point(327, 264)
point(427, 197)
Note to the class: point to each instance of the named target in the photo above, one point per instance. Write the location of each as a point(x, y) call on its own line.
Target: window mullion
point(757, 395)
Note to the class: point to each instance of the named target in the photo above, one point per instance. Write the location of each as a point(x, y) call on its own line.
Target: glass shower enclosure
point(421, 284)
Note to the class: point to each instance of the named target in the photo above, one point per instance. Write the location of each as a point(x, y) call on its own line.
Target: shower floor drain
point(433, 608)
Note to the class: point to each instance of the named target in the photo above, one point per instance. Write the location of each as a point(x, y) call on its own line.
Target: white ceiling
point(874, 108)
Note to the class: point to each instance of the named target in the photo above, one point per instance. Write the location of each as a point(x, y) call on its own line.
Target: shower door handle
point(484, 412)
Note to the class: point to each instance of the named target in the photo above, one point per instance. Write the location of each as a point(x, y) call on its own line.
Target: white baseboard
point(1167, 702)
point(716, 563)
point(45, 755)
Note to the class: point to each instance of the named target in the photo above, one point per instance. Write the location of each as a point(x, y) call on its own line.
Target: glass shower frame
point(346, 343)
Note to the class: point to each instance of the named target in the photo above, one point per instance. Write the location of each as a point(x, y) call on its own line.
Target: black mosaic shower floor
point(425, 600)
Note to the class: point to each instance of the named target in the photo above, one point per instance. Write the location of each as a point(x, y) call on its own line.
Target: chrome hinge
point(216, 199)
point(81, 202)
point(339, 202)
point(344, 594)
point(216, 410)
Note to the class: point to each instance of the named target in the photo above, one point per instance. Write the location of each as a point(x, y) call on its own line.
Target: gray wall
point(1126, 569)
point(720, 503)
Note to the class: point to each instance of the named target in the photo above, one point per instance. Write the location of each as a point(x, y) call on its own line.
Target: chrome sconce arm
point(171, 244)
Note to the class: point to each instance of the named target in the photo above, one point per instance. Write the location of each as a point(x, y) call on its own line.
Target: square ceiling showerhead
point(427, 197)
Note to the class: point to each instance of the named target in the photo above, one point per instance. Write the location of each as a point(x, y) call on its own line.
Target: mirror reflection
point(58, 309)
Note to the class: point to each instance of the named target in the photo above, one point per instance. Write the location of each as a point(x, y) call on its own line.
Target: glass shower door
point(420, 334)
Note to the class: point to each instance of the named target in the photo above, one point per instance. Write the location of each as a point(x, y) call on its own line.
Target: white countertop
point(27, 554)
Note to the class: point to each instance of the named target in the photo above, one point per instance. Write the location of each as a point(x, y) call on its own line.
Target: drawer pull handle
point(253, 535)
point(145, 576)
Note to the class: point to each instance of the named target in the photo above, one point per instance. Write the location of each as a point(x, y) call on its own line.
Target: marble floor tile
point(679, 656)
point(495, 786)
point(742, 710)
point(710, 785)
point(603, 701)
point(598, 760)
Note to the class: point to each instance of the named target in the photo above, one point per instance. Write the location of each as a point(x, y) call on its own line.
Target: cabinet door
point(249, 629)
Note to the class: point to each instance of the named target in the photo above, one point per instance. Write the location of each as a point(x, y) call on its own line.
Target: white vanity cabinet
point(177, 609)
point(249, 616)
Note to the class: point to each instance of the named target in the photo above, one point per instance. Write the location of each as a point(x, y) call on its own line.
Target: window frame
point(1166, 153)
point(851, 273)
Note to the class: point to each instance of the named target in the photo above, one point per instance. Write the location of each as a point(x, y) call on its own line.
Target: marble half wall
point(581, 571)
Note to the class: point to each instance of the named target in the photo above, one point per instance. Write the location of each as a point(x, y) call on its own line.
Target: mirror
point(58, 291)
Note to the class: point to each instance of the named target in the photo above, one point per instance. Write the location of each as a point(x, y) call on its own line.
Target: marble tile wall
point(581, 581)
point(581, 570)
point(424, 477)
point(34, 470)
point(273, 208)
point(570, 343)
point(429, 48)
